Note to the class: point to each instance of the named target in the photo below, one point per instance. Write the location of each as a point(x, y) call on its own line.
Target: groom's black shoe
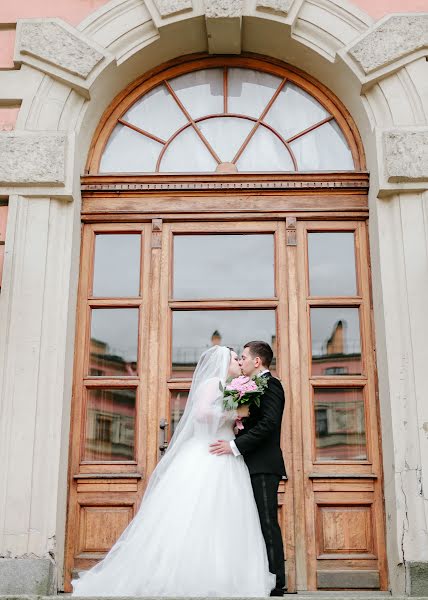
point(277, 592)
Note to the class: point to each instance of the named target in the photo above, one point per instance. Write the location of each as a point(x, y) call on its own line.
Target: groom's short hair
point(262, 350)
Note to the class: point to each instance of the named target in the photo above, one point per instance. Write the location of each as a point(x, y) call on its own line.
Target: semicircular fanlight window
point(250, 120)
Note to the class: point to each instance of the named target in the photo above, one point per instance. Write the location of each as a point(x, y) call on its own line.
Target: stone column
point(36, 360)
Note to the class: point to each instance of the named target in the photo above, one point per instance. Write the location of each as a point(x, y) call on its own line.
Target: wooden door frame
point(160, 206)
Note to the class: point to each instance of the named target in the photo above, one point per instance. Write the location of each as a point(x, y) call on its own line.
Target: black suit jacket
point(259, 441)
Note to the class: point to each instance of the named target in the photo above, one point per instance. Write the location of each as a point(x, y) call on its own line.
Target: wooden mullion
point(203, 228)
point(222, 304)
point(334, 301)
point(142, 131)
point(192, 122)
point(114, 302)
point(177, 384)
point(259, 120)
point(117, 382)
point(338, 382)
point(225, 89)
point(287, 511)
point(309, 129)
point(115, 227)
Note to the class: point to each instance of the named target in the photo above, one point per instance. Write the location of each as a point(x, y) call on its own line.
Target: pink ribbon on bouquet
point(239, 424)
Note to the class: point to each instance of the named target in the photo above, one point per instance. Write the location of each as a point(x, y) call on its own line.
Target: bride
point(197, 531)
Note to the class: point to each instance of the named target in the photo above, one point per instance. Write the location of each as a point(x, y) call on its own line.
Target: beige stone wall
point(63, 94)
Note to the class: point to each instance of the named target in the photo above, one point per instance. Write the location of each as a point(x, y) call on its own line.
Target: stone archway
point(67, 78)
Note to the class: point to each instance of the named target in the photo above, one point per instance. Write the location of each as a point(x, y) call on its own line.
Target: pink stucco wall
point(74, 11)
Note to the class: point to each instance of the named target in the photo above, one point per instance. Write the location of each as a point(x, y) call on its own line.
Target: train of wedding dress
point(197, 531)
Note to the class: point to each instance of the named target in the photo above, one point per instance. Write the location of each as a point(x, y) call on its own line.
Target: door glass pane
point(226, 135)
point(114, 338)
point(157, 112)
point(211, 266)
point(294, 111)
point(336, 346)
point(110, 424)
point(176, 408)
point(322, 149)
point(194, 331)
point(250, 91)
point(201, 92)
point(340, 424)
point(117, 266)
point(332, 264)
point(265, 152)
point(187, 153)
point(128, 151)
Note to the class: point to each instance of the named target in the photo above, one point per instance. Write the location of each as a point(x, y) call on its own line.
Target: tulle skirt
point(198, 534)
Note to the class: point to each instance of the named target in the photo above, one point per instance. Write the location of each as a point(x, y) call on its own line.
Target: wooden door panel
point(343, 476)
point(100, 526)
point(344, 532)
point(330, 509)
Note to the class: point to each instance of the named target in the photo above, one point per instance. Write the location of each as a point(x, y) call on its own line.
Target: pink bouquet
point(243, 390)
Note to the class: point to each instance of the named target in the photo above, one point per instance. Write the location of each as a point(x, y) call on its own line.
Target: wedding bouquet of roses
point(243, 390)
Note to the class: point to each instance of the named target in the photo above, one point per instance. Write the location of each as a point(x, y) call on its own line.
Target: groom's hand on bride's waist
point(220, 447)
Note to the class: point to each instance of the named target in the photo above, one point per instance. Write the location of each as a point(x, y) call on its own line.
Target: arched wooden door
point(172, 263)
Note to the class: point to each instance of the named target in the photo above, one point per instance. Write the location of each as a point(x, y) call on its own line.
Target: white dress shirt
point(232, 443)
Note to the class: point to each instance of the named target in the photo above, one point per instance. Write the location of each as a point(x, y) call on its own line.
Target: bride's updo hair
point(262, 350)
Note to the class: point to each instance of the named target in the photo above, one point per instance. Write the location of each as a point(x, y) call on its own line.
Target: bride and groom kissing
point(207, 524)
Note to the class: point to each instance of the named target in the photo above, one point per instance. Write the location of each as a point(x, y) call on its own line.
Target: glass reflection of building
point(110, 424)
point(339, 411)
point(110, 414)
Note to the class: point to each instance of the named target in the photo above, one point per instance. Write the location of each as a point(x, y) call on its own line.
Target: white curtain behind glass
point(199, 96)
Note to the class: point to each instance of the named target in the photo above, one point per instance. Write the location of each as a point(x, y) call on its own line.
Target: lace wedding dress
point(197, 532)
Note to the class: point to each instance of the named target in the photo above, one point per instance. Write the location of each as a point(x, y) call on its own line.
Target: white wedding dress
point(197, 532)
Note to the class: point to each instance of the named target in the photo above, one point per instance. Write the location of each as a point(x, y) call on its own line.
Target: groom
point(259, 444)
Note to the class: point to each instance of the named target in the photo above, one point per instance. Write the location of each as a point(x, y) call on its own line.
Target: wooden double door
point(154, 293)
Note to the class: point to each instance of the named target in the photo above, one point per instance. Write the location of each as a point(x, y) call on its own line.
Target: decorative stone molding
point(168, 8)
point(406, 154)
point(56, 48)
point(36, 163)
point(123, 40)
point(224, 22)
point(389, 44)
point(32, 158)
point(396, 37)
point(281, 7)
point(326, 27)
point(52, 43)
point(223, 9)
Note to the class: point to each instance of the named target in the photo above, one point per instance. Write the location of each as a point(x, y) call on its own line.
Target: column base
point(27, 576)
point(418, 577)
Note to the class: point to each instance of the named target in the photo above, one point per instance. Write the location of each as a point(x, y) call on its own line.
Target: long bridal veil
point(202, 417)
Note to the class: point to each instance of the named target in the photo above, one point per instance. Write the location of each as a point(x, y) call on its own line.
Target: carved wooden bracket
point(291, 231)
point(156, 233)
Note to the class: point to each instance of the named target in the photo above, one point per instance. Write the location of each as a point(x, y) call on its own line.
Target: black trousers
point(265, 488)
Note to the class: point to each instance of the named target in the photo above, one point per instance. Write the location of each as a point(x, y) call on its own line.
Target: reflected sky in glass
point(332, 264)
point(193, 331)
point(211, 266)
point(117, 265)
